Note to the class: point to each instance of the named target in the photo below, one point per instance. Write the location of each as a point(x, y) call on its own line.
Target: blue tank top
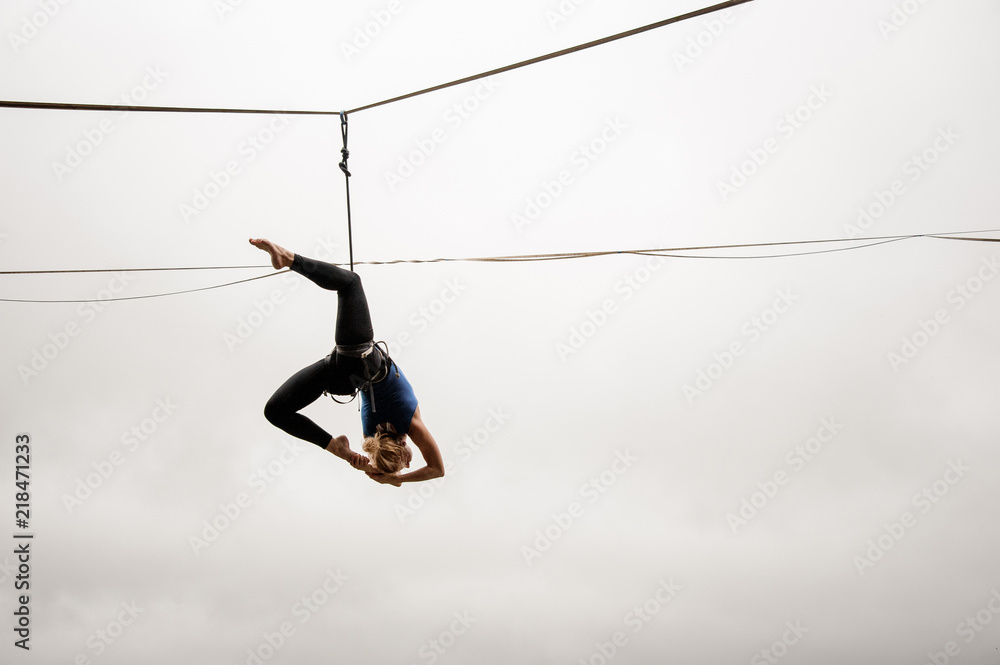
point(395, 403)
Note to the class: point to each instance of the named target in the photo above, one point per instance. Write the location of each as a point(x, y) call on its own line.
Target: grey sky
point(649, 460)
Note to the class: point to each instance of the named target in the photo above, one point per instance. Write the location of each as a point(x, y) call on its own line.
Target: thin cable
point(80, 270)
point(778, 256)
point(672, 251)
point(151, 295)
point(499, 70)
point(557, 54)
point(977, 239)
point(669, 251)
point(56, 106)
point(528, 258)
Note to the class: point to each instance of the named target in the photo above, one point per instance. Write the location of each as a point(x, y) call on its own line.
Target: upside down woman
point(389, 409)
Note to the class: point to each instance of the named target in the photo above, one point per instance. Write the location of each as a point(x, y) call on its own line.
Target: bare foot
point(280, 257)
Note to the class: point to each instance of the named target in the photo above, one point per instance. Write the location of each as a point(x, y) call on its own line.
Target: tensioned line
point(665, 252)
point(63, 106)
point(492, 72)
point(558, 255)
point(343, 114)
point(556, 54)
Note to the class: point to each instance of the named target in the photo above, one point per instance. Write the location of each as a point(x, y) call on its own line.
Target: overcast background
point(601, 438)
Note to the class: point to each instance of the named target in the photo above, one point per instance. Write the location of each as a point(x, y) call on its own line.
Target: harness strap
point(355, 350)
point(363, 351)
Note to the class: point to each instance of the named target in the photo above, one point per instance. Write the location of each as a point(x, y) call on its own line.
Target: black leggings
point(337, 374)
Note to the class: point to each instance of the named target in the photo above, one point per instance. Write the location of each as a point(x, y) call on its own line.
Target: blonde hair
point(387, 451)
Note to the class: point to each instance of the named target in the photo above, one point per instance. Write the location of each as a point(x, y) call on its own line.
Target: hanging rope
point(345, 153)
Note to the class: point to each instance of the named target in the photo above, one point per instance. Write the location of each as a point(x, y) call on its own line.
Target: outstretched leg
point(337, 374)
point(354, 323)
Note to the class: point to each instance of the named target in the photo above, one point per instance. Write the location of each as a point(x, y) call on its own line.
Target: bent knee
point(353, 281)
point(273, 411)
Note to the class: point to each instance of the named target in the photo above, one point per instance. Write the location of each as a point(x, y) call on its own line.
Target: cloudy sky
point(696, 460)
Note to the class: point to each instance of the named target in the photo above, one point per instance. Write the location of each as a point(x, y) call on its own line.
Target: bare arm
point(425, 443)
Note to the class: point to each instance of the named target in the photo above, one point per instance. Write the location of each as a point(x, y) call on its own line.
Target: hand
point(358, 461)
point(362, 463)
point(386, 479)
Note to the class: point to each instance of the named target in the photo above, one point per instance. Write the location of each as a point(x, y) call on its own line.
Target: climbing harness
point(377, 365)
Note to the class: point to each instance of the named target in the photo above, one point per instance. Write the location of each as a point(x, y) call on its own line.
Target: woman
point(389, 409)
